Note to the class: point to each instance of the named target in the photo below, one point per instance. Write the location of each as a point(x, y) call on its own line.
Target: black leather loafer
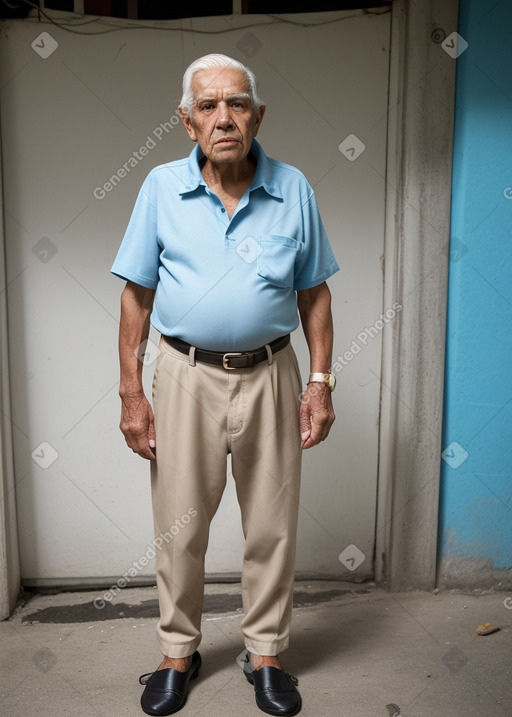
point(166, 690)
point(275, 690)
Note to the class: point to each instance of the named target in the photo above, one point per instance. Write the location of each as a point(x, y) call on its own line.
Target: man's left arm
point(316, 411)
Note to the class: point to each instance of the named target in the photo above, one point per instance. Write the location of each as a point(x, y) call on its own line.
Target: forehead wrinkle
point(205, 87)
point(209, 83)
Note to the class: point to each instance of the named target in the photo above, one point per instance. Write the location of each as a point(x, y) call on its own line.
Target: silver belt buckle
point(226, 357)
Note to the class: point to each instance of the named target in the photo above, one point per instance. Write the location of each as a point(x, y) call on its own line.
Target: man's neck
point(230, 178)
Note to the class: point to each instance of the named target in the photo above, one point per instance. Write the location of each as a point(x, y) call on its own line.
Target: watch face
point(332, 382)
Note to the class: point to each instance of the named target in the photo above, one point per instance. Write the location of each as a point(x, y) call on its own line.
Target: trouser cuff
point(267, 648)
point(169, 650)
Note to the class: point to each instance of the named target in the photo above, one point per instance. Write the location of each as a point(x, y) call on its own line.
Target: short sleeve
point(138, 257)
point(316, 262)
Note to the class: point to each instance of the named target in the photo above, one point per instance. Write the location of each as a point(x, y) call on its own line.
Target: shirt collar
point(264, 177)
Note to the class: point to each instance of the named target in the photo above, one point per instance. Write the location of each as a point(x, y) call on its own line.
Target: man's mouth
point(226, 140)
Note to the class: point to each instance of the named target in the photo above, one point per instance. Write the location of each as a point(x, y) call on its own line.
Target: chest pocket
point(276, 261)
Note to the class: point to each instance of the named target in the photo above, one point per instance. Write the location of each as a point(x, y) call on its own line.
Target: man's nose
point(224, 119)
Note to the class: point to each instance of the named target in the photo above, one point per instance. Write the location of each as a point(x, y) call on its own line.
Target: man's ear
point(185, 118)
point(259, 116)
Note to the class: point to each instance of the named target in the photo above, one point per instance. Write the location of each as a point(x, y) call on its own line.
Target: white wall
point(68, 123)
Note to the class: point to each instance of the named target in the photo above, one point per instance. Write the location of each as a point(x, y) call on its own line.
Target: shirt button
point(222, 210)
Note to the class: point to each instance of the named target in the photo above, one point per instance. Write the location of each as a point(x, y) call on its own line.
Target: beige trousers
point(202, 413)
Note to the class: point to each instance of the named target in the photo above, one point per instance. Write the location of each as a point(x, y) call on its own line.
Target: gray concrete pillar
point(9, 561)
point(421, 111)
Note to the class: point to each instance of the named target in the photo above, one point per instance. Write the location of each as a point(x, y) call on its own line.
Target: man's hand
point(316, 414)
point(138, 425)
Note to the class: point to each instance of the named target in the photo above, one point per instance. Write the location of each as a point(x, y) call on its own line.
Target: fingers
point(152, 438)
point(140, 444)
point(304, 423)
point(318, 433)
point(146, 452)
point(149, 454)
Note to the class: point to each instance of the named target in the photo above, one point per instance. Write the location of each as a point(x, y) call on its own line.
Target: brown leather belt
point(231, 359)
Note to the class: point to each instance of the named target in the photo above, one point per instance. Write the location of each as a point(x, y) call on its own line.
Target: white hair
point(211, 61)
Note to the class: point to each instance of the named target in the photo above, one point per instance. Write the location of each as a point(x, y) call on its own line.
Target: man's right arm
point(137, 420)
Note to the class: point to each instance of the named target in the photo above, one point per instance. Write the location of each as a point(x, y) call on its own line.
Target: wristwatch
point(328, 378)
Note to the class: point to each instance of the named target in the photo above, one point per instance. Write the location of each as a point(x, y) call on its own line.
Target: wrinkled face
point(223, 119)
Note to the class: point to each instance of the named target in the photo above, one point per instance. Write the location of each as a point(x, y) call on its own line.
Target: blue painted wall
point(476, 489)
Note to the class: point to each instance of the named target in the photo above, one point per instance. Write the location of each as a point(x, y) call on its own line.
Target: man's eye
point(206, 107)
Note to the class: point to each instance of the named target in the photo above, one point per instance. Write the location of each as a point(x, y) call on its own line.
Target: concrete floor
point(357, 650)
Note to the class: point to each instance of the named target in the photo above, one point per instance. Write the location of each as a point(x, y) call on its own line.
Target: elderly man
point(221, 250)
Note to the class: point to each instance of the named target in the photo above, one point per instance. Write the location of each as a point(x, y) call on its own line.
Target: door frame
point(417, 229)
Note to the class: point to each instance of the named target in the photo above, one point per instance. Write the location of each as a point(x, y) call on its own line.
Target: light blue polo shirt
point(225, 284)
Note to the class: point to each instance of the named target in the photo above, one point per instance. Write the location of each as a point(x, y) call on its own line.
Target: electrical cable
point(126, 25)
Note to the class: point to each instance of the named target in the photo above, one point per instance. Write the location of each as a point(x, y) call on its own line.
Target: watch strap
point(326, 378)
